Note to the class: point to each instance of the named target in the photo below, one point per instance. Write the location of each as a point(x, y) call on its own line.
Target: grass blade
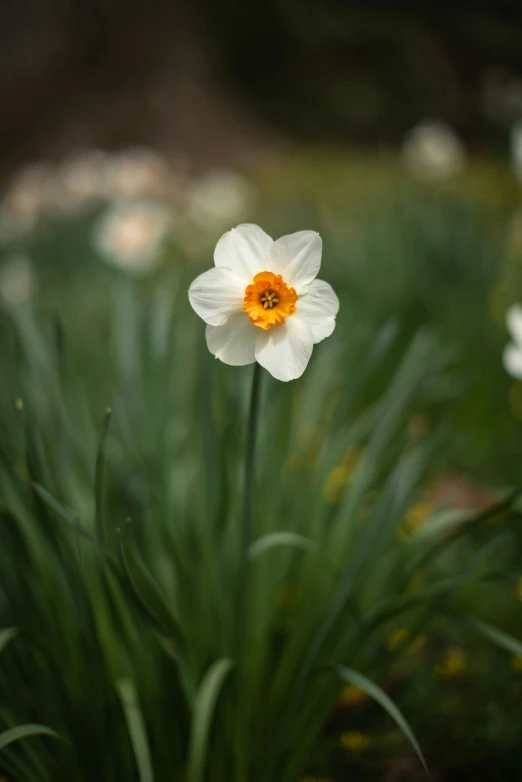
point(24, 732)
point(204, 705)
point(498, 637)
point(144, 587)
point(6, 635)
point(101, 529)
point(349, 676)
point(63, 512)
point(136, 728)
point(277, 539)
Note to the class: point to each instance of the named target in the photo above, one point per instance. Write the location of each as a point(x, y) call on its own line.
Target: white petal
point(322, 328)
point(514, 322)
point(297, 258)
point(318, 307)
point(512, 359)
point(285, 350)
point(235, 342)
point(244, 250)
point(216, 295)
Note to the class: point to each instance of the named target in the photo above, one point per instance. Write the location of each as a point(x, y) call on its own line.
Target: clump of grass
point(127, 630)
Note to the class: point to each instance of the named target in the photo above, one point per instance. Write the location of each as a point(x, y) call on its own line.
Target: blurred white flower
point(262, 302)
point(130, 236)
point(24, 200)
point(79, 181)
point(17, 281)
point(218, 198)
point(433, 151)
point(512, 357)
point(138, 173)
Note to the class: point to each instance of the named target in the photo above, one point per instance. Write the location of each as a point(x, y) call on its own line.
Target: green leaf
point(6, 635)
point(278, 539)
point(63, 512)
point(350, 676)
point(499, 637)
point(144, 587)
point(443, 521)
point(25, 731)
point(101, 529)
point(136, 728)
point(204, 706)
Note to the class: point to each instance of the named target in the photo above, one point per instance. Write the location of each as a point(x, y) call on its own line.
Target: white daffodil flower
point(79, 182)
point(138, 173)
point(262, 302)
point(24, 200)
point(218, 198)
point(131, 236)
point(512, 357)
point(433, 151)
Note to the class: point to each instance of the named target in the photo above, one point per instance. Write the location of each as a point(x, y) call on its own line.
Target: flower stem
point(242, 731)
point(251, 438)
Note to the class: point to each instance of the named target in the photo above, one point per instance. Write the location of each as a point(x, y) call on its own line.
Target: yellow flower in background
point(342, 474)
point(354, 741)
point(516, 663)
point(351, 695)
point(397, 639)
point(519, 589)
point(417, 645)
point(415, 518)
point(453, 663)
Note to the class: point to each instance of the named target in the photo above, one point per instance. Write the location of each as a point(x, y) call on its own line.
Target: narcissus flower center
point(269, 300)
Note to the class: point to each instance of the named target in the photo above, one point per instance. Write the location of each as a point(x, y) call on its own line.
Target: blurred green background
point(386, 521)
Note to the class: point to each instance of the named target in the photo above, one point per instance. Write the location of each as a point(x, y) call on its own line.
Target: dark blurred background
point(219, 81)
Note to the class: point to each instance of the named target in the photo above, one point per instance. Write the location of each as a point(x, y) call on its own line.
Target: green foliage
point(131, 629)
